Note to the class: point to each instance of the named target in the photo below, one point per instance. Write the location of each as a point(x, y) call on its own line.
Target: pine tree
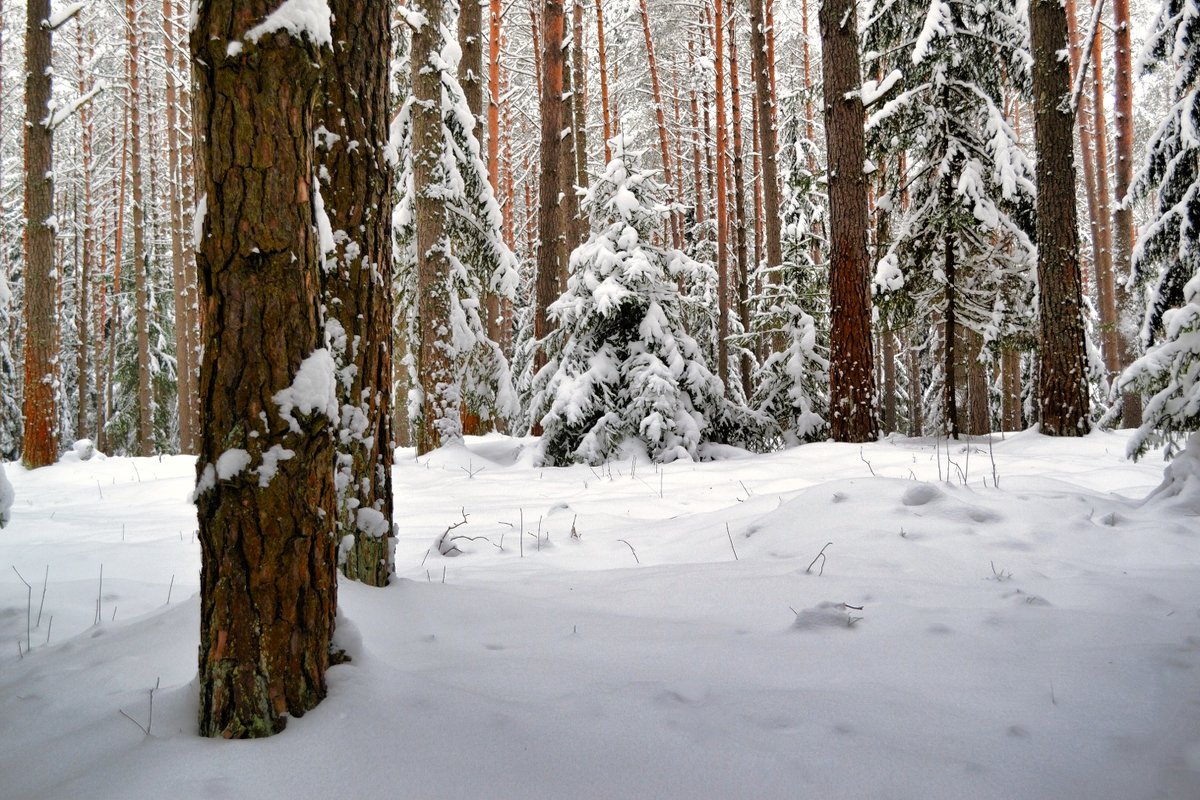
point(851, 368)
point(619, 365)
point(1167, 255)
point(961, 251)
point(1063, 402)
point(265, 491)
point(477, 377)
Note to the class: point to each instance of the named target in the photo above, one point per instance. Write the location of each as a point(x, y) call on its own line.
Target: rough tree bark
point(357, 194)
point(433, 265)
point(1062, 378)
point(851, 377)
point(265, 492)
point(41, 319)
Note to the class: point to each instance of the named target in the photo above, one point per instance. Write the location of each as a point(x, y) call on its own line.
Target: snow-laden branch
point(64, 15)
point(61, 115)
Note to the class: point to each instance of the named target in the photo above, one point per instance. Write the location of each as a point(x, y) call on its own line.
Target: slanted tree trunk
point(265, 493)
point(357, 194)
point(1062, 379)
point(1123, 226)
point(661, 122)
point(41, 318)
point(851, 377)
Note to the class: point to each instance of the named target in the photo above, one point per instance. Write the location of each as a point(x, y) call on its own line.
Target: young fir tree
point(1168, 252)
point(792, 309)
point(961, 251)
point(620, 365)
point(477, 258)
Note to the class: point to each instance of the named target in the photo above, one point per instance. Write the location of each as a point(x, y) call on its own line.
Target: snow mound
point(1180, 487)
point(6, 498)
point(826, 614)
point(82, 450)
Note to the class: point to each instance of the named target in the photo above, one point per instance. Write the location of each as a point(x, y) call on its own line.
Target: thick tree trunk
point(357, 194)
point(265, 492)
point(1062, 379)
point(767, 145)
point(1123, 226)
point(41, 320)
point(851, 377)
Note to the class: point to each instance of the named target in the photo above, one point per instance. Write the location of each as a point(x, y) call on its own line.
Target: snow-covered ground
point(958, 640)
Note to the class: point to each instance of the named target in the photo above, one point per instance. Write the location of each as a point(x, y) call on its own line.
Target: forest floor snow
point(1039, 639)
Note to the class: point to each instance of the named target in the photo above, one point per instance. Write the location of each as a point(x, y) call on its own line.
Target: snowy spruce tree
point(477, 377)
point(620, 366)
point(1167, 256)
point(961, 250)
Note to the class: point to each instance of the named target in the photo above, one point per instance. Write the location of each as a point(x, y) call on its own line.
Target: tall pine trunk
point(552, 219)
point(41, 319)
point(141, 261)
point(1123, 226)
point(357, 193)
point(183, 290)
point(851, 374)
point(1062, 378)
point(265, 493)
